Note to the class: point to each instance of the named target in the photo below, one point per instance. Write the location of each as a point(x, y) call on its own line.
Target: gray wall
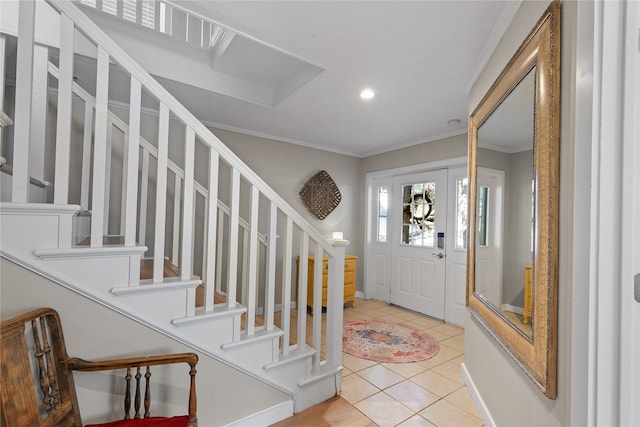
point(496, 375)
point(441, 149)
point(286, 168)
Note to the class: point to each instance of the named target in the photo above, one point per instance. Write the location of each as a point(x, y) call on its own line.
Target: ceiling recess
point(261, 73)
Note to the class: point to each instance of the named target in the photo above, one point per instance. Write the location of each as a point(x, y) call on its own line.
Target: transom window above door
point(418, 214)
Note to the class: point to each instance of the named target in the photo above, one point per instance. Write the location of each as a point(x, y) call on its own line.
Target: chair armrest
point(81, 365)
point(78, 364)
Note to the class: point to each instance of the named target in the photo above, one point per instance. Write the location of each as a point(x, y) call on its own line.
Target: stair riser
point(249, 359)
point(23, 232)
point(318, 391)
point(209, 334)
point(157, 307)
point(290, 373)
point(99, 275)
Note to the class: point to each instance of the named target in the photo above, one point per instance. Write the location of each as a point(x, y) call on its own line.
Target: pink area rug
point(387, 341)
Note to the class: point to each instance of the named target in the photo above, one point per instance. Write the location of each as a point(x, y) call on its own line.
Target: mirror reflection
point(505, 206)
point(514, 163)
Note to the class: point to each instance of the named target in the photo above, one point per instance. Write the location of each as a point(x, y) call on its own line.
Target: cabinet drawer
point(349, 291)
point(349, 278)
point(349, 264)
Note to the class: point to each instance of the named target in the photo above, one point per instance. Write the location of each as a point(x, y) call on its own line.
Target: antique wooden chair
point(37, 380)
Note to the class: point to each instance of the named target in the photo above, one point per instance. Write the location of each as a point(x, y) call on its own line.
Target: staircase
point(147, 213)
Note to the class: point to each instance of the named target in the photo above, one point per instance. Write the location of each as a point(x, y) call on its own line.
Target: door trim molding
point(421, 167)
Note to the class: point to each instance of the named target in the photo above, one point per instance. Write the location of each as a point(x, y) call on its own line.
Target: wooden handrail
point(78, 364)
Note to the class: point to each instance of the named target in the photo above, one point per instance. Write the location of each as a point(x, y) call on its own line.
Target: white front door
point(456, 247)
point(419, 221)
point(630, 266)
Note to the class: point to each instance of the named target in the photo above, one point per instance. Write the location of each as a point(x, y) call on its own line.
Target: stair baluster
point(98, 191)
point(131, 172)
point(24, 93)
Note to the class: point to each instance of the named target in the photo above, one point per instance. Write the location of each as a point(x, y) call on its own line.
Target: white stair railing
point(148, 151)
point(283, 223)
point(169, 18)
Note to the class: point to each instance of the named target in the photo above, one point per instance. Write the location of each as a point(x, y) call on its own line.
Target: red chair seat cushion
point(181, 421)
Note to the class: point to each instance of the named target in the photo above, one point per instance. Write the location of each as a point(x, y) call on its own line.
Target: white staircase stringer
point(207, 341)
point(256, 354)
point(103, 275)
point(156, 308)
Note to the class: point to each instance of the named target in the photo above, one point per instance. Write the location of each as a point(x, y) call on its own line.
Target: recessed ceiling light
point(367, 93)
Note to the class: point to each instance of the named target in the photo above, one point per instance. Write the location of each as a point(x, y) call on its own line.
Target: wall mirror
point(513, 236)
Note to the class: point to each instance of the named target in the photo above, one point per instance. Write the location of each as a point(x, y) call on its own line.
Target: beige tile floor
point(425, 393)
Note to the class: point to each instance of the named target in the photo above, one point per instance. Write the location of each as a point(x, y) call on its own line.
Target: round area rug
point(387, 341)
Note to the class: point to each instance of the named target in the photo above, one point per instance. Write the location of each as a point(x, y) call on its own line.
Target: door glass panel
point(418, 214)
point(461, 213)
point(383, 198)
point(483, 203)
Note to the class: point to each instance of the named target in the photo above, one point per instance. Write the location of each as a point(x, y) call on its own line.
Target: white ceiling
point(419, 56)
point(510, 127)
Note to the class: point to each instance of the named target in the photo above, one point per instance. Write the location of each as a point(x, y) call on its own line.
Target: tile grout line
point(399, 315)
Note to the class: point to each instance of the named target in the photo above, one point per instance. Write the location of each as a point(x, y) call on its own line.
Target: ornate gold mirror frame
point(536, 351)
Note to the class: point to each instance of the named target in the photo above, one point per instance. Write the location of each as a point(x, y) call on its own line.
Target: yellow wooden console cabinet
point(349, 280)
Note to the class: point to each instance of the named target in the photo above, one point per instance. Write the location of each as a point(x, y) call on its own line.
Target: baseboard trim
point(266, 417)
point(512, 308)
point(483, 411)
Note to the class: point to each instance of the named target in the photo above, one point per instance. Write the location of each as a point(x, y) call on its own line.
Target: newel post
point(335, 296)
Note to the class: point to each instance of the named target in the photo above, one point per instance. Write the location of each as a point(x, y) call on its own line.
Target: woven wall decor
point(320, 195)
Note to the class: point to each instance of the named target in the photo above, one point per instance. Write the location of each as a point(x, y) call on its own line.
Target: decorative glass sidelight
point(461, 213)
point(418, 214)
point(483, 203)
point(383, 203)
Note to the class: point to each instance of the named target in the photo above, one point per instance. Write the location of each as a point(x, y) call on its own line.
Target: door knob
point(439, 255)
